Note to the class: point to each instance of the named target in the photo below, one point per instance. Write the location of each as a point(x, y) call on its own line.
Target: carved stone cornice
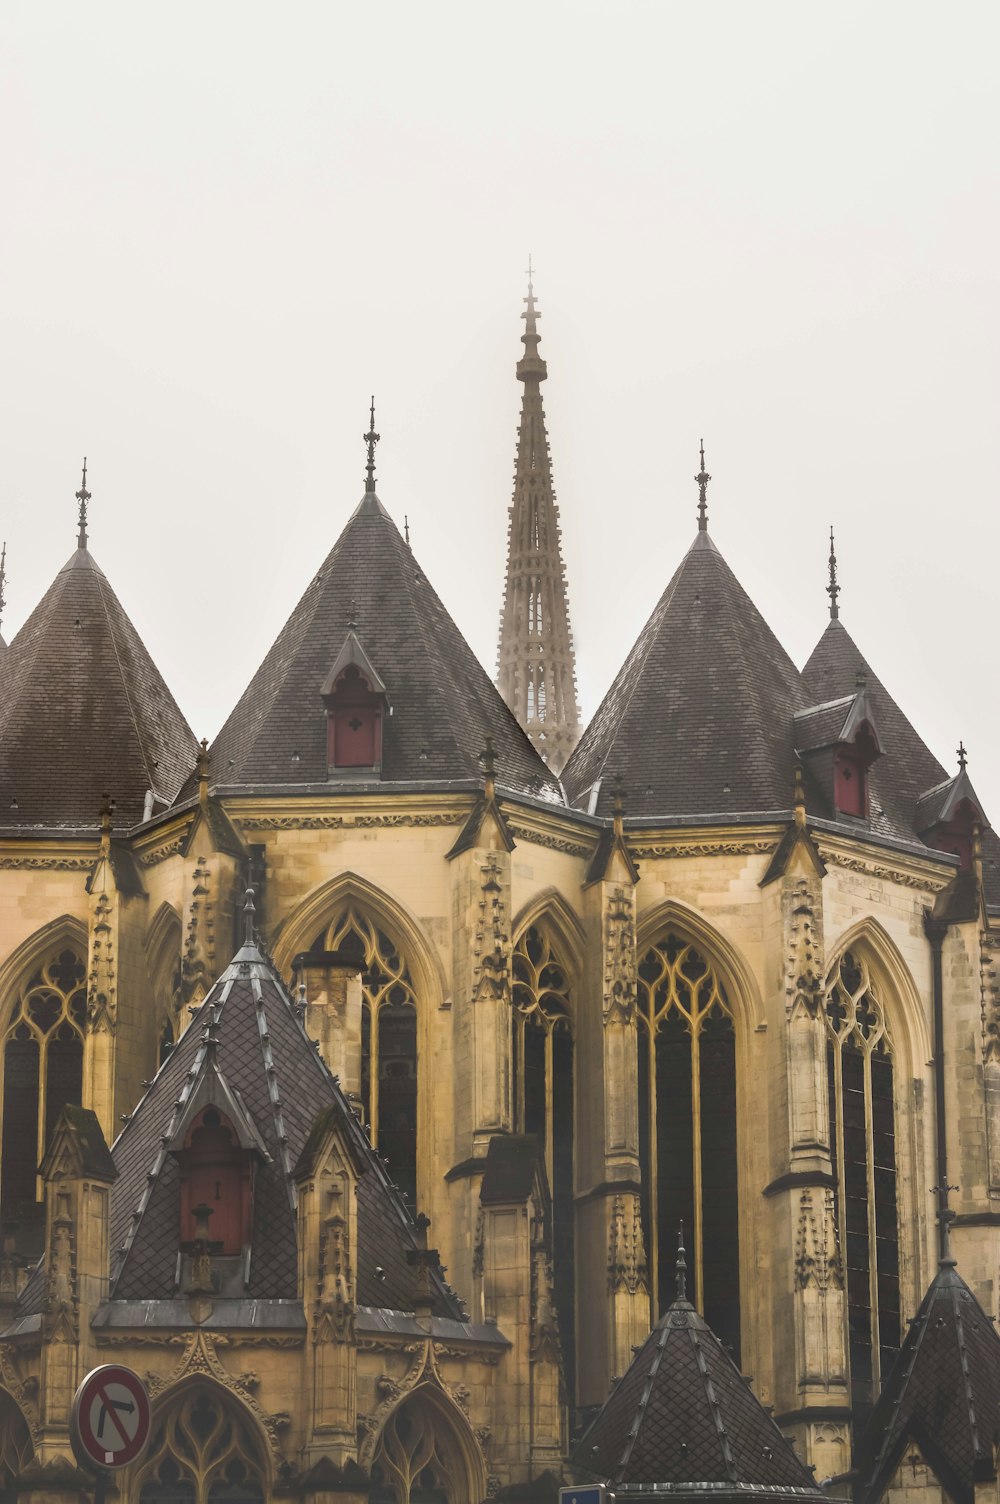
point(906, 875)
point(724, 846)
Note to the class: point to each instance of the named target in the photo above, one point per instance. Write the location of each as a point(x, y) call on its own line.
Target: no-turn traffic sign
point(110, 1420)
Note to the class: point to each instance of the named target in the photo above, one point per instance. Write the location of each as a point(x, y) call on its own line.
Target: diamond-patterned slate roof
point(908, 771)
point(907, 768)
point(264, 1054)
point(85, 710)
point(685, 1417)
point(443, 702)
point(699, 717)
point(943, 1396)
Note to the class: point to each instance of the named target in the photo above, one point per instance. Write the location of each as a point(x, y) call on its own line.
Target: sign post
point(109, 1423)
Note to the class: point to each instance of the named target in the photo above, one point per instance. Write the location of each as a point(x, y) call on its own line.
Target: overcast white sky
point(224, 225)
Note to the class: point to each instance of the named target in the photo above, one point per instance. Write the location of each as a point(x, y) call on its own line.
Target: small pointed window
point(354, 722)
point(216, 1172)
point(851, 762)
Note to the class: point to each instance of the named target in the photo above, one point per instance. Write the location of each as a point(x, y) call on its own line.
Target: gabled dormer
point(948, 814)
point(839, 742)
point(218, 1149)
point(356, 703)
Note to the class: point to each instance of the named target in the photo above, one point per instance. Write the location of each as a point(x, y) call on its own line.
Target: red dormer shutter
point(217, 1172)
point(354, 722)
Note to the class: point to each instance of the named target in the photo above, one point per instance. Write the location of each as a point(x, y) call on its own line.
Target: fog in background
point(222, 226)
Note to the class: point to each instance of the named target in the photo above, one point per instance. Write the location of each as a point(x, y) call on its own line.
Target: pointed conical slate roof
point(272, 1084)
point(699, 718)
point(942, 1396)
point(907, 769)
point(85, 710)
point(442, 702)
point(684, 1417)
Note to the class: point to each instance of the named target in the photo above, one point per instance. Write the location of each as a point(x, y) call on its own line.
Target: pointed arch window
point(420, 1459)
point(388, 1040)
point(863, 1145)
point(42, 1072)
point(542, 1059)
point(687, 1105)
point(202, 1452)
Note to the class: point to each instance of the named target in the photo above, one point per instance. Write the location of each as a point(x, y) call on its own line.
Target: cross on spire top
point(963, 757)
point(83, 496)
point(833, 589)
point(371, 439)
point(703, 479)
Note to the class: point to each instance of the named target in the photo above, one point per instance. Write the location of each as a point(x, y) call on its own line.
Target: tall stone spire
point(536, 669)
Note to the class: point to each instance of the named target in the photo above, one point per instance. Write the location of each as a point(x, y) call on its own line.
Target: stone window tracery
point(542, 1059)
point(418, 1460)
point(202, 1453)
point(43, 1070)
point(15, 1447)
point(863, 1148)
point(388, 1040)
point(687, 1105)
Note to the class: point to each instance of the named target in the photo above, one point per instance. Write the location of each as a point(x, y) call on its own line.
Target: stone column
point(326, 1182)
point(119, 1044)
point(481, 1099)
point(612, 1277)
point(78, 1173)
point(807, 1294)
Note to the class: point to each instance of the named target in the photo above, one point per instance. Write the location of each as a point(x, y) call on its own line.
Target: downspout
point(936, 930)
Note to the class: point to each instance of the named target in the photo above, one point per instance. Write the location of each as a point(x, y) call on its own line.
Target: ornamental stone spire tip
point(536, 666)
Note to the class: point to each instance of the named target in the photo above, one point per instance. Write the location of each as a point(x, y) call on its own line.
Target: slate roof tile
point(443, 703)
point(85, 710)
point(683, 1414)
point(943, 1395)
point(256, 1027)
point(908, 770)
point(699, 717)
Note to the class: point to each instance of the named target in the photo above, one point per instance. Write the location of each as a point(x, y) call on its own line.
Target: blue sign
point(590, 1493)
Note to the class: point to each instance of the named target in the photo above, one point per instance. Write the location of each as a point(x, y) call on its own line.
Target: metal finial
point(352, 614)
point(703, 479)
point(963, 757)
point(248, 912)
point(531, 290)
point(3, 579)
point(371, 439)
point(406, 529)
point(83, 496)
point(861, 679)
point(681, 1265)
point(945, 1218)
point(833, 589)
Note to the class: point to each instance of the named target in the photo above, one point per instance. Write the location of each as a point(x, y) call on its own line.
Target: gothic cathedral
point(436, 1100)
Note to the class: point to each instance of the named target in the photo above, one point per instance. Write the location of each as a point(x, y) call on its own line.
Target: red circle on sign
point(110, 1419)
